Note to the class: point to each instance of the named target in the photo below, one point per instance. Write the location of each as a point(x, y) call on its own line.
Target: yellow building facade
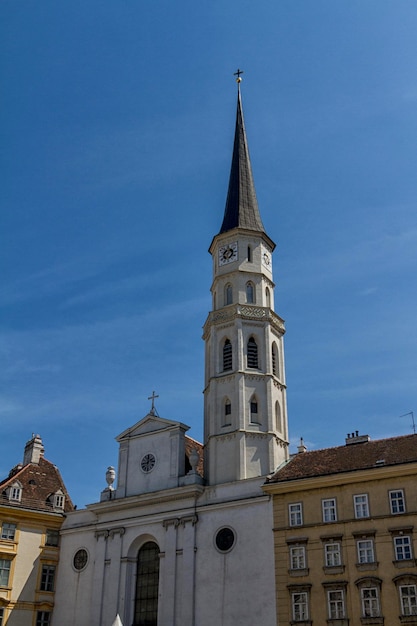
point(33, 503)
point(345, 528)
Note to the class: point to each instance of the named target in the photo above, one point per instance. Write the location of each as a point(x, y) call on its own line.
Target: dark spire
point(241, 205)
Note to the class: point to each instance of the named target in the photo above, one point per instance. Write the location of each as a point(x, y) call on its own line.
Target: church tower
point(245, 412)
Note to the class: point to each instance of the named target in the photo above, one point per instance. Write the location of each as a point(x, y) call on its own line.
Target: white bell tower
point(245, 411)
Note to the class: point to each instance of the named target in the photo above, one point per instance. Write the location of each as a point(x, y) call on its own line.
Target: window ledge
point(404, 563)
point(303, 622)
point(299, 572)
point(369, 621)
point(334, 569)
point(362, 567)
point(408, 619)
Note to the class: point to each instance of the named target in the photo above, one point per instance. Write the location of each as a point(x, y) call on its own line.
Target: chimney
point(301, 448)
point(355, 437)
point(33, 450)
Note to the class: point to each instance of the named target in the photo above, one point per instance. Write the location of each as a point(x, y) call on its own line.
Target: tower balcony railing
point(245, 311)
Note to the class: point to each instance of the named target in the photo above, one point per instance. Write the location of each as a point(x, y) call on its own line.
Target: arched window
point(274, 356)
point(268, 297)
point(250, 293)
point(249, 254)
point(278, 421)
point(254, 417)
point(252, 353)
point(227, 355)
point(228, 294)
point(147, 586)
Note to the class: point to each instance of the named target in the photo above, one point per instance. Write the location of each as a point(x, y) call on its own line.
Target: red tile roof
point(39, 481)
point(348, 458)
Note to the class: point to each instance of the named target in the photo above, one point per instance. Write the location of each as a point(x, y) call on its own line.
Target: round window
point(225, 539)
point(80, 559)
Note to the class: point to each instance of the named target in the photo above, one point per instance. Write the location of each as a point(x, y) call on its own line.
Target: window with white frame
point(332, 554)
point(402, 548)
point(329, 510)
point(297, 557)
point(370, 602)
point(59, 500)
point(4, 572)
point(336, 603)
point(408, 599)
point(295, 514)
point(15, 492)
point(365, 551)
point(43, 618)
point(397, 501)
point(8, 531)
point(47, 577)
point(361, 505)
point(299, 601)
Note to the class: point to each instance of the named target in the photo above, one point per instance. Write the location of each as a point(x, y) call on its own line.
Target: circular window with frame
point(225, 539)
point(148, 462)
point(80, 559)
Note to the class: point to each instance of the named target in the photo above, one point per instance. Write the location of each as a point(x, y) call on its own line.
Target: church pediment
point(150, 424)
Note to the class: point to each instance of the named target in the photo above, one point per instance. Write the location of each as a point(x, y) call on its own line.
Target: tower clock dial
point(228, 253)
point(266, 258)
point(147, 463)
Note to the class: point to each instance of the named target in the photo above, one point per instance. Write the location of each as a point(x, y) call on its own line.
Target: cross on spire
point(238, 74)
point(152, 397)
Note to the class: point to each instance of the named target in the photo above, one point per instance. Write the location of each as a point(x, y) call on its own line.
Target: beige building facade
point(346, 535)
point(33, 503)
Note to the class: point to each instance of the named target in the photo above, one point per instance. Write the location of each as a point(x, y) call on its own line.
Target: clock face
point(147, 463)
point(228, 253)
point(266, 259)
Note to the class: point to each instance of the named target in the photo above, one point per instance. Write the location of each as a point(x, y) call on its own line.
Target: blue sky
point(117, 123)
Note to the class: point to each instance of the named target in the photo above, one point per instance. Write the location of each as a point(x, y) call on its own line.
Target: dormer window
point(15, 492)
point(58, 500)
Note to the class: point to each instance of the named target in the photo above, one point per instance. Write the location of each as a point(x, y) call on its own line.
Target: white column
point(166, 609)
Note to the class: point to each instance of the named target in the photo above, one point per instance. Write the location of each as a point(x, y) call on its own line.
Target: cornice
point(350, 477)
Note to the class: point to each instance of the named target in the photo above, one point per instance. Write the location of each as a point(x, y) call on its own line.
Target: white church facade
point(185, 537)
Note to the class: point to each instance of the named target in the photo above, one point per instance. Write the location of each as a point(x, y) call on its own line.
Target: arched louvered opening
point(275, 362)
point(278, 420)
point(228, 294)
point(227, 355)
point(250, 293)
point(147, 585)
point(268, 297)
point(252, 353)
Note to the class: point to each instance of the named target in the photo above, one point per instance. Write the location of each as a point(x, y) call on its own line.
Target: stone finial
point(110, 477)
point(301, 448)
point(108, 493)
point(194, 458)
